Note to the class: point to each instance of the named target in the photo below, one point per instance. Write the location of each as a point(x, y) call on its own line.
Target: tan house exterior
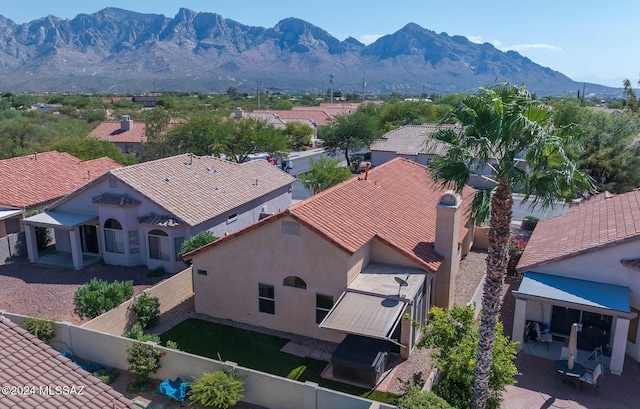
point(332, 264)
point(141, 214)
point(583, 267)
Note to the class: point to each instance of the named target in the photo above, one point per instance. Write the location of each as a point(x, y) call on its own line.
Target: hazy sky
point(595, 41)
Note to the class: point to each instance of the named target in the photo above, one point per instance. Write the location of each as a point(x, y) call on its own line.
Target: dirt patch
point(43, 291)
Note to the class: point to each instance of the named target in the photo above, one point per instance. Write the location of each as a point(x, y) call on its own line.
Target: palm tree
point(501, 127)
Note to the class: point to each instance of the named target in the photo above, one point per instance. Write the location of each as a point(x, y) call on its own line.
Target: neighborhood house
point(141, 214)
point(349, 264)
point(581, 267)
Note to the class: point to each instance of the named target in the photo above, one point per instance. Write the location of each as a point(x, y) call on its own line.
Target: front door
point(89, 234)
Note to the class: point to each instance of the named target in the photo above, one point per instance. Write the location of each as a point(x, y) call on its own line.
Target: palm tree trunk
point(499, 231)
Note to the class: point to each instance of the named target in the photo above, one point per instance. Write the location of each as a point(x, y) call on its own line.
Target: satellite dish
point(401, 282)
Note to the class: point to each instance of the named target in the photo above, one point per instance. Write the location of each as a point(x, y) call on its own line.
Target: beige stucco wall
point(170, 292)
point(234, 269)
point(382, 253)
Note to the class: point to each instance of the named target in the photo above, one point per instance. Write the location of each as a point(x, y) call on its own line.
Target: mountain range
point(118, 51)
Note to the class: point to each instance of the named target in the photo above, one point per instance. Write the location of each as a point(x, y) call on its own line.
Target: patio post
point(32, 245)
point(519, 319)
point(76, 248)
point(619, 346)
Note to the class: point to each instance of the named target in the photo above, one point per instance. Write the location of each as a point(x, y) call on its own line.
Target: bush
point(195, 242)
point(107, 376)
point(454, 333)
point(147, 309)
point(156, 272)
point(43, 238)
point(219, 389)
point(98, 296)
point(415, 398)
point(137, 333)
point(143, 360)
point(529, 222)
point(41, 329)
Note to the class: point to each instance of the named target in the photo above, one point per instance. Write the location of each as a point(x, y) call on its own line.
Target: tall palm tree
point(504, 127)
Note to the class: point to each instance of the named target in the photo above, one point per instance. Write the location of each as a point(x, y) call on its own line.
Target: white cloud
point(522, 47)
point(367, 39)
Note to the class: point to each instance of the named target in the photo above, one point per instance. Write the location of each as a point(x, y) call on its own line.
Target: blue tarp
point(174, 389)
point(90, 367)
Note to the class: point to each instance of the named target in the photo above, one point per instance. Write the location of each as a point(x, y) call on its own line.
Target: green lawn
point(257, 351)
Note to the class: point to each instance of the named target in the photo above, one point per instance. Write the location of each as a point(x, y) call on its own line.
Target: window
point(12, 225)
point(113, 238)
point(113, 182)
point(159, 245)
point(266, 298)
point(232, 218)
point(293, 281)
point(134, 246)
point(177, 246)
point(323, 306)
point(202, 272)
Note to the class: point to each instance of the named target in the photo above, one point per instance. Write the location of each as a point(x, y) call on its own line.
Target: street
point(300, 165)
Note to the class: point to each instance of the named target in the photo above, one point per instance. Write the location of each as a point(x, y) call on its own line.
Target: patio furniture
point(542, 336)
point(592, 378)
point(570, 375)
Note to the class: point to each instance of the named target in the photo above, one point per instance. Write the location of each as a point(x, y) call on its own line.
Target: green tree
point(158, 144)
point(92, 148)
point(415, 398)
point(99, 296)
point(630, 103)
point(298, 133)
point(351, 132)
point(396, 114)
point(498, 125)
point(147, 309)
point(195, 242)
point(325, 172)
point(244, 137)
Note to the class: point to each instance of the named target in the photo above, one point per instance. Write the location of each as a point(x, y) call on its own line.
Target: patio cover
point(6, 213)
point(59, 219)
point(591, 294)
point(373, 316)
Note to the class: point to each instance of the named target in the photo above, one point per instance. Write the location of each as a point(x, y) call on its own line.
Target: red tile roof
point(26, 361)
point(605, 221)
point(33, 180)
point(396, 204)
point(112, 132)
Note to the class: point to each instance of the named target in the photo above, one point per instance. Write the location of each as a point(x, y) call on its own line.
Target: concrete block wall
point(12, 245)
point(260, 388)
point(170, 292)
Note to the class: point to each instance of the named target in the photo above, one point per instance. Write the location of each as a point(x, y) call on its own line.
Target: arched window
point(113, 237)
point(159, 245)
point(294, 281)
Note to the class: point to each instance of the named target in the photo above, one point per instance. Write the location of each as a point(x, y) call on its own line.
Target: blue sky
point(587, 40)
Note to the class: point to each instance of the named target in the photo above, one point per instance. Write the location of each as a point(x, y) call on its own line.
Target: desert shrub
point(172, 344)
point(143, 360)
point(529, 222)
point(415, 398)
point(41, 329)
point(219, 389)
point(98, 296)
point(136, 332)
point(147, 309)
point(107, 376)
point(156, 272)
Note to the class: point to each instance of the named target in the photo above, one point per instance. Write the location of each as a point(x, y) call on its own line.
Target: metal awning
point(590, 294)
point(59, 219)
point(373, 316)
point(6, 213)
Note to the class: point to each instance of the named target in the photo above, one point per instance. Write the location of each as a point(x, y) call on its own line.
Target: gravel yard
point(47, 292)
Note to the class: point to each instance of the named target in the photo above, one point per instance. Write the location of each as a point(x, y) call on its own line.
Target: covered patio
point(556, 302)
point(75, 235)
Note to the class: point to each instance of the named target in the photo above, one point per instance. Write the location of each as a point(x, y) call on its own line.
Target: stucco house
point(353, 259)
point(33, 181)
point(416, 143)
point(126, 134)
point(583, 266)
point(141, 214)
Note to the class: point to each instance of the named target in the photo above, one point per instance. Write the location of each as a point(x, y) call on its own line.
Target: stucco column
point(310, 400)
point(619, 345)
point(519, 320)
point(76, 248)
point(32, 245)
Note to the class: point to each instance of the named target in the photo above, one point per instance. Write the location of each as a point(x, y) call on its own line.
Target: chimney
point(126, 124)
point(238, 113)
point(446, 244)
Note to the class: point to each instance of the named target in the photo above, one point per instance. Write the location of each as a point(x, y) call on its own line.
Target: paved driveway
point(47, 292)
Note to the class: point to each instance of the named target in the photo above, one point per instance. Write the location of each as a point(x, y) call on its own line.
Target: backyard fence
point(262, 389)
point(170, 292)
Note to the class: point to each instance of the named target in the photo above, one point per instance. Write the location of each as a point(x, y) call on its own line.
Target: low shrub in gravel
point(98, 296)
